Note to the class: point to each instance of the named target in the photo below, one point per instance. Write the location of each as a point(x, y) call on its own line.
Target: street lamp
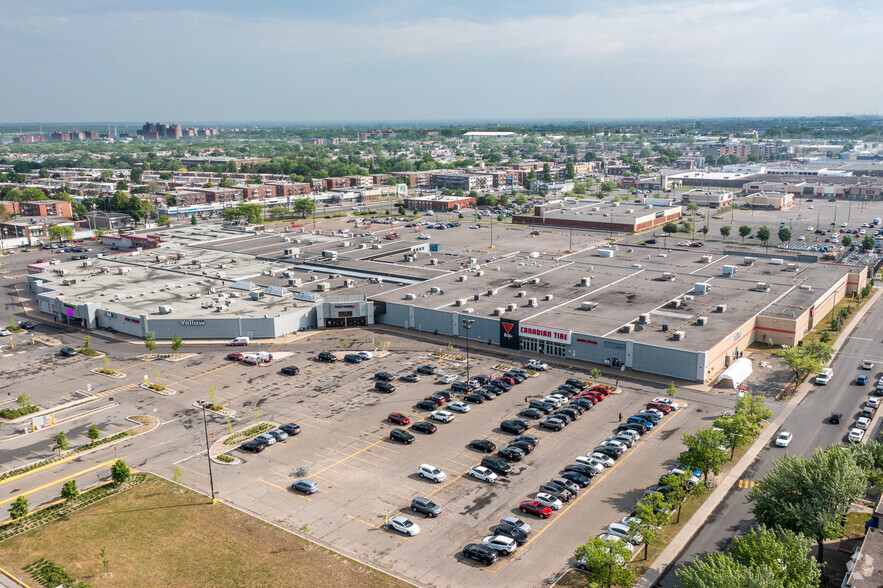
point(467, 324)
point(211, 480)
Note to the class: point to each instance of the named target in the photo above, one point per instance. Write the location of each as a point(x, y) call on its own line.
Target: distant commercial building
point(291, 189)
point(599, 216)
point(769, 201)
point(58, 208)
point(439, 202)
point(414, 179)
point(379, 134)
point(109, 220)
point(710, 198)
point(460, 181)
point(29, 139)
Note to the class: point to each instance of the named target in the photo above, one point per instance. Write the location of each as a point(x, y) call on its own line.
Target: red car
point(594, 396)
point(508, 380)
point(398, 418)
point(600, 390)
point(235, 356)
point(665, 409)
point(536, 508)
point(437, 398)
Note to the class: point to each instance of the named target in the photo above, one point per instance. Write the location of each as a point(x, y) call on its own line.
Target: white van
point(824, 377)
point(238, 341)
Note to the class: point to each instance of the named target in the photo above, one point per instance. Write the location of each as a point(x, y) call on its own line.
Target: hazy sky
point(220, 60)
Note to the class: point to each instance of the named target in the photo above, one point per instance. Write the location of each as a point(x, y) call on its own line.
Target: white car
point(678, 470)
point(810, 229)
point(592, 463)
point(667, 401)
point(614, 445)
point(863, 423)
point(475, 227)
point(627, 440)
point(604, 460)
point(553, 400)
point(447, 379)
point(459, 407)
point(501, 543)
point(856, 435)
point(431, 472)
point(424, 236)
point(365, 354)
point(404, 525)
point(873, 401)
point(624, 532)
point(784, 439)
point(548, 500)
point(482, 473)
point(609, 537)
point(536, 364)
point(637, 522)
point(442, 416)
point(867, 364)
point(5, 332)
point(630, 433)
point(683, 243)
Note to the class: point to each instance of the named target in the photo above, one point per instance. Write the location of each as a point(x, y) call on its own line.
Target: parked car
point(483, 474)
point(398, 418)
point(500, 543)
point(403, 525)
point(266, 439)
point(577, 478)
point(26, 325)
point(291, 428)
point(480, 553)
point(578, 384)
point(531, 413)
point(327, 357)
point(410, 378)
point(365, 354)
point(278, 434)
point(459, 407)
point(856, 435)
point(425, 506)
point(511, 453)
point(353, 358)
point(235, 356)
point(536, 364)
point(542, 406)
point(290, 370)
point(385, 376)
point(424, 427)
point(553, 424)
point(427, 369)
point(514, 533)
point(401, 436)
point(483, 445)
point(602, 458)
point(784, 439)
point(305, 486)
point(667, 401)
point(426, 405)
point(67, 352)
point(253, 446)
point(474, 398)
point(441, 416)
point(496, 465)
point(386, 387)
point(626, 533)
point(430, 472)
point(513, 426)
point(860, 423)
point(535, 507)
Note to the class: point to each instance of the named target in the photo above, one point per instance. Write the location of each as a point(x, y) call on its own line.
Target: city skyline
point(393, 61)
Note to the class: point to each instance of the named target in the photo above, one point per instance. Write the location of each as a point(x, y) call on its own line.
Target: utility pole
point(211, 480)
point(467, 324)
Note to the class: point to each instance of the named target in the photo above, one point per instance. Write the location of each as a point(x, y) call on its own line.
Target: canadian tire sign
point(509, 337)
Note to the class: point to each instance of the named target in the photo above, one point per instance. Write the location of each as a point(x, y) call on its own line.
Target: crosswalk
point(747, 484)
point(113, 391)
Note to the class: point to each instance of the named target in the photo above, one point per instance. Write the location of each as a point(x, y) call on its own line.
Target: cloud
point(684, 58)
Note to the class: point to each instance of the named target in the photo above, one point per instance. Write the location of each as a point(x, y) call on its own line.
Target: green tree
point(784, 235)
point(763, 233)
point(150, 342)
point(719, 570)
point(547, 173)
point(783, 553)
point(669, 228)
point(163, 220)
point(69, 490)
point(61, 233)
point(177, 343)
point(605, 561)
point(809, 496)
point(704, 452)
point(135, 175)
point(846, 241)
point(800, 362)
point(305, 206)
point(61, 442)
point(278, 212)
point(119, 472)
point(93, 433)
point(752, 406)
point(738, 431)
point(193, 219)
point(578, 188)
point(19, 508)
point(692, 207)
point(607, 187)
point(868, 242)
point(744, 231)
point(569, 169)
point(725, 231)
point(87, 341)
point(122, 185)
point(23, 400)
point(671, 391)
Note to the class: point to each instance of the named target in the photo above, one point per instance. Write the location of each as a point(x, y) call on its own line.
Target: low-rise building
point(709, 197)
point(599, 216)
point(461, 181)
point(769, 200)
point(439, 202)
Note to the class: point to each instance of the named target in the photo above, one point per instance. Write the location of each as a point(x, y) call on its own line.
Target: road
point(809, 423)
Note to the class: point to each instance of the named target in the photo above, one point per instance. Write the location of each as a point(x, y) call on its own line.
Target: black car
point(67, 351)
point(523, 445)
point(579, 468)
point(575, 383)
point(512, 426)
point(424, 427)
point(426, 506)
point(402, 436)
point(496, 465)
point(563, 417)
point(867, 413)
point(290, 370)
point(410, 378)
point(572, 390)
point(482, 379)
point(478, 552)
point(461, 387)
point(427, 405)
point(550, 489)
point(482, 445)
point(384, 376)
point(486, 394)
point(511, 453)
point(531, 413)
point(632, 427)
point(493, 389)
point(290, 428)
point(532, 439)
point(541, 406)
point(608, 451)
point(353, 358)
point(577, 478)
point(515, 376)
point(473, 398)
point(578, 408)
point(501, 384)
point(836, 418)
point(384, 387)
point(253, 446)
point(327, 356)
point(514, 533)
point(584, 402)
point(572, 413)
point(27, 325)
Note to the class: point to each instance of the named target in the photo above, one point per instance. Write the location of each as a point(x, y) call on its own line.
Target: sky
point(397, 60)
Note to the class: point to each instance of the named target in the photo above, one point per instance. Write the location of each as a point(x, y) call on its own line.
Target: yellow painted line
point(363, 522)
point(387, 448)
point(194, 471)
point(60, 480)
point(286, 490)
point(457, 462)
point(378, 456)
point(14, 579)
point(343, 459)
point(411, 489)
point(400, 496)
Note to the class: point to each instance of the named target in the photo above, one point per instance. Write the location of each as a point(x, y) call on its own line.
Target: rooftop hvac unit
point(636, 265)
point(662, 255)
point(644, 319)
point(349, 283)
point(468, 310)
point(676, 303)
point(314, 278)
point(664, 326)
point(678, 335)
point(180, 255)
point(591, 305)
point(323, 287)
point(165, 309)
point(585, 282)
point(344, 243)
point(777, 261)
point(763, 287)
point(123, 270)
point(479, 273)
point(533, 281)
point(492, 292)
point(206, 304)
point(376, 246)
point(499, 311)
point(287, 274)
point(255, 295)
point(433, 261)
point(410, 296)
point(605, 252)
point(792, 267)
point(627, 328)
point(68, 282)
point(532, 302)
point(521, 294)
point(460, 302)
point(511, 306)
point(547, 297)
point(722, 308)
point(749, 260)
point(706, 259)
point(533, 254)
point(688, 297)
point(409, 258)
point(476, 296)
point(517, 283)
point(701, 288)
point(462, 278)
point(435, 290)
point(729, 270)
point(806, 287)
point(363, 245)
point(669, 276)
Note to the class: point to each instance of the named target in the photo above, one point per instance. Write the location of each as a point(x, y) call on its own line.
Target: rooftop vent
point(678, 335)
point(722, 308)
point(591, 305)
point(763, 287)
point(702, 321)
point(628, 328)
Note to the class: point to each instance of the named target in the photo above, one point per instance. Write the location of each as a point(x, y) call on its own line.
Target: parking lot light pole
point(467, 324)
point(211, 480)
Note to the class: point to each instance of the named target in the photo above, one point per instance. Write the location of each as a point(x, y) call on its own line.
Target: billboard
point(509, 337)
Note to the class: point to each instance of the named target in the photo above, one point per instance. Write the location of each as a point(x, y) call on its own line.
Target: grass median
point(158, 534)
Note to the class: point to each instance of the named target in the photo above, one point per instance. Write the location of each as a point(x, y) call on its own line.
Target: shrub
point(120, 472)
point(157, 387)
point(225, 457)
point(19, 508)
point(107, 371)
point(14, 413)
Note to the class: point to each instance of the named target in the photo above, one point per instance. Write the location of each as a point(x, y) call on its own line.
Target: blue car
point(353, 358)
point(861, 380)
point(640, 421)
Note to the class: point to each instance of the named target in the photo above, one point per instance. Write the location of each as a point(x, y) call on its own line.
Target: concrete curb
point(680, 541)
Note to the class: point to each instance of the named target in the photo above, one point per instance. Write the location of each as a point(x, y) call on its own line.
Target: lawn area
point(158, 534)
point(855, 524)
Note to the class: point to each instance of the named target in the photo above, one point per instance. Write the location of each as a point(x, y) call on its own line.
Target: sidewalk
point(680, 541)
